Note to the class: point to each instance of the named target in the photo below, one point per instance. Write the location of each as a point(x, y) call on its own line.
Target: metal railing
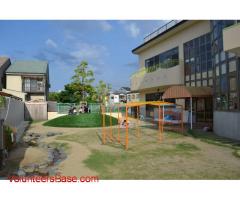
point(165, 65)
point(161, 29)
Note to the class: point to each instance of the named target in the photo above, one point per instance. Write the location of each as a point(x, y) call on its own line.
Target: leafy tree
point(102, 90)
point(53, 96)
point(84, 77)
point(72, 93)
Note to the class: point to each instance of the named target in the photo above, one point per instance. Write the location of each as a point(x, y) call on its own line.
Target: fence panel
point(36, 111)
point(94, 107)
point(63, 108)
point(52, 106)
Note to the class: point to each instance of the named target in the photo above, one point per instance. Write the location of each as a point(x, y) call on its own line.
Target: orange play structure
point(174, 111)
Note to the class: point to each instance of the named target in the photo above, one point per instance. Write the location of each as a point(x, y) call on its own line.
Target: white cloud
point(131, 28)
point(105, 26)
point(51, 43)
point(89, 51)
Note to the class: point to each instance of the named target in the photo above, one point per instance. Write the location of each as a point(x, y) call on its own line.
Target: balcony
point(158, 76)
point(231, 39)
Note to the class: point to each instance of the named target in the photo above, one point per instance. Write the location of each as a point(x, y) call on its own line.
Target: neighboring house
point(119, 96)
point(4, 64)
point(28, 80)
point(194, 63)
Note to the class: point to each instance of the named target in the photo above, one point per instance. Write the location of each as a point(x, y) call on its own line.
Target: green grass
point(211, 138)
point(125, 164)
point(83, 120)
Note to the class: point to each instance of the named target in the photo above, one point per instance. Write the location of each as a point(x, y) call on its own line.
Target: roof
point(29, 67)
point(159, 35)
point(3, 60)
point(9, 95)
point(181, 91)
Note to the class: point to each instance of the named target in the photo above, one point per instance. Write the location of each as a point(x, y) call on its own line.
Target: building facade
point(28, 80)
point(201, 56)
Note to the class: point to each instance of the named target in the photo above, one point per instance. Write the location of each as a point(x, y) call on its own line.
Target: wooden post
point(126, 136)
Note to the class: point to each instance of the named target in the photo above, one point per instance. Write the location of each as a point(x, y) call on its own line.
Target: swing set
point(167, 114)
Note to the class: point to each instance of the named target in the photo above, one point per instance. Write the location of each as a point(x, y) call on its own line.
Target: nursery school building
point(196, 64)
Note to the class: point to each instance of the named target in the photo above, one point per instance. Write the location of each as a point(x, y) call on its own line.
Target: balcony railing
point(167, 64)
point(161, 29)
point(34, 89)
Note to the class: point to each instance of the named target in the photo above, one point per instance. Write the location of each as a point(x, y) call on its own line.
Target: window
point(231, 55)
point(226, 65)
point(26, 85)
point(223, 69)
point(224, 85)
point(232, 66)
point(224, 102)
point(233, 101)
point(198, 83)
point(164, 60)
point(210, 82)
point(198, 57)
point(222, 56)
point(33, 85)
point(204, 82)
point(217, 70)
point(216, 58)
point(232, 84)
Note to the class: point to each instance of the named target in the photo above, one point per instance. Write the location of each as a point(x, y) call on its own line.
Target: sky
point(105, 45)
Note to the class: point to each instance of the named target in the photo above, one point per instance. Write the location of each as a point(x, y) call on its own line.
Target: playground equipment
point(167, 114)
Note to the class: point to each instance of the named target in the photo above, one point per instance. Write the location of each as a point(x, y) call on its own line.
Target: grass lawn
point(82, 120)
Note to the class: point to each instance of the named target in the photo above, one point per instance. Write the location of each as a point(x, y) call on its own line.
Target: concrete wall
point(227, 124)
point(36, 111)
point(231, 39)
point(14, 83)
point(15, 114)
point(160, 77)
point(37, 97)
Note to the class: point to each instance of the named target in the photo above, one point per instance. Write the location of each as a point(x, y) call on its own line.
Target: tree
point(84, 77)
point(102, 90)
point(53, 96)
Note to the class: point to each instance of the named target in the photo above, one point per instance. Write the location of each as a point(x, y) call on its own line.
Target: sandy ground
point(209, 162)
point(73, 165)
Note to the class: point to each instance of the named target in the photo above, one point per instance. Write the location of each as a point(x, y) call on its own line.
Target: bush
point(7, 137)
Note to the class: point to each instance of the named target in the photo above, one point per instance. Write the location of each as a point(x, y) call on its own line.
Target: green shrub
point(7, 137)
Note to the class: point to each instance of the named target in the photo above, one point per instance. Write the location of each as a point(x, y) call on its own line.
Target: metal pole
point(159, 124)
point(191, 121)
point(111, 132)
point(118, 125)
point(126, 136)
point(138, 122)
